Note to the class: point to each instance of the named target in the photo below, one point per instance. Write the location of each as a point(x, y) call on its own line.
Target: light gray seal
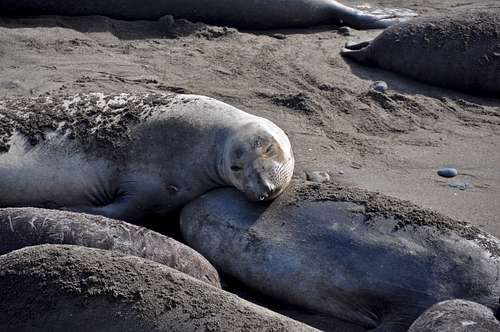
point(456, 316)
point(129, 157)
point(457, 51)
point(254, 14)
point(368, 259)
point(71, 288)
point(24, 227)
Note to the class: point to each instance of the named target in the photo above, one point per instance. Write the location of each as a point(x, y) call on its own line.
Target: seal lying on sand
point(71, 288)
point(456, 316)
point(458, 51)
point(130, 156)
point(23, 227)
point(256, 14)
point(365, 258)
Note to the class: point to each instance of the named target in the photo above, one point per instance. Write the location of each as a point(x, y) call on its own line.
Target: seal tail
point(375, 19)
point(357, 52)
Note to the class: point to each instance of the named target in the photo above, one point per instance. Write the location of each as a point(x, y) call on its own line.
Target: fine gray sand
point(392, 143)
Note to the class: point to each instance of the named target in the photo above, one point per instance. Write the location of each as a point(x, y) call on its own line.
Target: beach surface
point(393, 142)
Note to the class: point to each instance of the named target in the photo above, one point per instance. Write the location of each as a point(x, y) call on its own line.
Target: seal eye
point(235, 168)
point(269, 148)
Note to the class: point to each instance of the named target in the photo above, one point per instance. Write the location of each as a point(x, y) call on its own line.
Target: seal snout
point(262, 192)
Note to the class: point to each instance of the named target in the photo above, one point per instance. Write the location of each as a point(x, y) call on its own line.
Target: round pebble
point(447, 172)
point(379, 86)
point(318, 177)
point(346, 31)
point(279, 36)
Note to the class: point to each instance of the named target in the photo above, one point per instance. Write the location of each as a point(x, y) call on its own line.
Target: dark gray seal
point(254, 14)
point(456, 316)
point(372, 260)
point(23, 227)
point(71, 288)
point(457, 51)
point(129, 157)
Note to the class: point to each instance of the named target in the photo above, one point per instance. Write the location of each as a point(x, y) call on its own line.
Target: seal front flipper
point(121, 209)
point(357, 52)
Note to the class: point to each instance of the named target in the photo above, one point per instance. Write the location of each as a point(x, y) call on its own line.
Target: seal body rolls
point(132, 156)
point(71, 288)
point(23, 227)
point(365, 258)
point(456, 316)
point(250, 14)
point(457, 51)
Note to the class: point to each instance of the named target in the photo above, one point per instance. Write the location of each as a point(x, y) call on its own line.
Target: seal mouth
point(260, 196)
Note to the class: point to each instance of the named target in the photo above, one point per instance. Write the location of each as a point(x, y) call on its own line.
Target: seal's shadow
point(405, 85)
point(164, 28)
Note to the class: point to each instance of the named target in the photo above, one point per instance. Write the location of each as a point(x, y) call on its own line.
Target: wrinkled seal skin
point(456, 316)
point(128, 157)
point(457, 51)
point(250, 14)
point(23, 227)
point(72, 288)
point(375, 261)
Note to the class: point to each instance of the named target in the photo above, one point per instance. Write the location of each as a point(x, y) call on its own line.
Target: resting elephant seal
point(71, 288)
point(23, 227)
point(255, 14)
point(372, 260)
point(457, 51)
point(456, 316)
point(130, 156)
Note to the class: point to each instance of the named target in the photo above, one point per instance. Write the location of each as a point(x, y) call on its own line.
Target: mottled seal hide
point(457, 51)
point(128, 157)
point(456, 316)
point(23, 227)
point(254, 14)
point(362, 257)
point(71, 288)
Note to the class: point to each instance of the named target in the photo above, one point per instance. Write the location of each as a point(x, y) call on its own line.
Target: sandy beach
point(392, 142)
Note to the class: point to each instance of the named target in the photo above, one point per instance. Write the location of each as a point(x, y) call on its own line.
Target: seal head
point(258, 160)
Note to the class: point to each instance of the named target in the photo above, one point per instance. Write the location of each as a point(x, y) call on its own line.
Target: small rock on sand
point(317, 176)
point(447, 172)
point(379, 86)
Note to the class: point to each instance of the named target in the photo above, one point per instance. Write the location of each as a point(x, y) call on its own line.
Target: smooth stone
point(379, 86)
point(447, 172)
point(346, 31)
point(317, 176)
point(279, 36)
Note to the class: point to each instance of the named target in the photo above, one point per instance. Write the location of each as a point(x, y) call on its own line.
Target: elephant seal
point(365, 258)
point(456, 316)
point(457, 51)
point(23, 227)
point(256, 14)
point(128, 157)
point(71, 288)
